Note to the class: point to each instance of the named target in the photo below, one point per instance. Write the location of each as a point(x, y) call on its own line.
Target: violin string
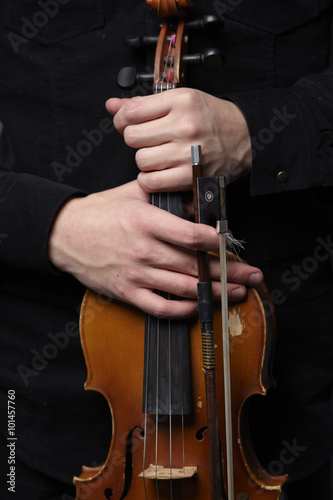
point(157, 404)
point(165, 79)
point(168, 65)
point(146, 412)
point(170, 380)
point(182, 407)
point(168, 71)
point(170, 415)
point(171, 55)
point(171, 59)
point(157, 379)
point(183, 449)
point(155, 200)
point(162, 79)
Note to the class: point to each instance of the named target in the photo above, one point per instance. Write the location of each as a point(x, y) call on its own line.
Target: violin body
point(112, 335)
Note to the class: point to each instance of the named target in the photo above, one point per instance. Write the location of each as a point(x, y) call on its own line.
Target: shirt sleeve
point(28, 206)
point(291, 133)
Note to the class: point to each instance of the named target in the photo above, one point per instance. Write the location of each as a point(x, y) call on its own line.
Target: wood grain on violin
point(159, 449)
point(113, 343)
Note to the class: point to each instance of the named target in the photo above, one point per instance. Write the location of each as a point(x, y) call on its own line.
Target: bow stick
point(209, 205)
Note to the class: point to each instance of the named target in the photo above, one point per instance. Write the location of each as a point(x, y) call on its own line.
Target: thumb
point(114, 104)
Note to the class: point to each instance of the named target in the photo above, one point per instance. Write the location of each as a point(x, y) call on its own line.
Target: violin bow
point(209, 203)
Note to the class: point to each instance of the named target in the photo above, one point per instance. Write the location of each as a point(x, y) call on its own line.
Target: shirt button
point(282, 176)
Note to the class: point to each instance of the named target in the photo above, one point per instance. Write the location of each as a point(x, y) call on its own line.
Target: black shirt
point(54, 81)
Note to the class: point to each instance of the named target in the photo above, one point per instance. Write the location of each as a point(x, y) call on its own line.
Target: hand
point(117, 244)
point(164, 126)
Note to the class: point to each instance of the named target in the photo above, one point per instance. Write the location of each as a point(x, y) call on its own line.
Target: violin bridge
point(160, 472)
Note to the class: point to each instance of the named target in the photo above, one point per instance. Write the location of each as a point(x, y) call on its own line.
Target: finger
point(156, 305)
point(114, 104)
point(130, 190)
point(166, 281)
point(147, 134)
point(183, 280)
point(163, 156)
point(180, 284)
point(236, 293)
point(160, 256)
point(237, 271)
point(161, 307)
point(172, 229)
point(170, 179)
point(140, 109)
point(242, 273)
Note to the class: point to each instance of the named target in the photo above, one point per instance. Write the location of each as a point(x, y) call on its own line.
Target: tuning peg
point(211, 58)
point(209, 23)
point(128, 78)
point(139, 41)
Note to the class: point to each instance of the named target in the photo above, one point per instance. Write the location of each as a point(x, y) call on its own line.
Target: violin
point(178, 391)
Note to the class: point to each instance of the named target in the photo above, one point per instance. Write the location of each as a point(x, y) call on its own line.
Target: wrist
point(61, 231)
point(240, 147)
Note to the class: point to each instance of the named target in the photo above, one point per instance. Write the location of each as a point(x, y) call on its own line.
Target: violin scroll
point(169, 8)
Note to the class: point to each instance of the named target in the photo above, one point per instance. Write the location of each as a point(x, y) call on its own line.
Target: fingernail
point(237, 294)
point(254, 279)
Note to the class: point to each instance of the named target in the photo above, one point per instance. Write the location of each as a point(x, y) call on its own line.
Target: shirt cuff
point(27, 210)
point(281, 131)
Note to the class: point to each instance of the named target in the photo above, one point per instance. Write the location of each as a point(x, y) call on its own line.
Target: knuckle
point(127, 114)
point(151, 181)
point(117, 122)
point(235, 271)
point(131, 107)
point(161, 310)
point(191, 237)
point(141, 254)
point(187, 96)
point(188, 127)
point(132, 274)
point(193, 268)
point(183, 288)
point(143, 222)
point(141, 159)
point(130, 135)
point(117, 287)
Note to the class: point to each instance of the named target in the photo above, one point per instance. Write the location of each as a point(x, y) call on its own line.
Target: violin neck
point(167, 371)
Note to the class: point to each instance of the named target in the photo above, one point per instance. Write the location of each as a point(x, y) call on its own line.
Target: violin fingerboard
point(167, 370)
